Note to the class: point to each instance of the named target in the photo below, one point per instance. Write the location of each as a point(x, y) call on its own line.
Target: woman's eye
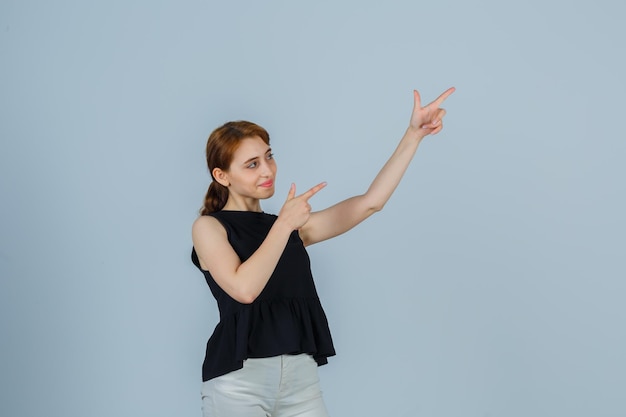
point(252, 165)
point(270, 156)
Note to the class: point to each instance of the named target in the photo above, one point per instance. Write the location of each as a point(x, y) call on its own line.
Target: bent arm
point(243, 281)
point(346, 214)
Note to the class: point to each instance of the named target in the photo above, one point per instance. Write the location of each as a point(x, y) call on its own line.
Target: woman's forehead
point(252, 147)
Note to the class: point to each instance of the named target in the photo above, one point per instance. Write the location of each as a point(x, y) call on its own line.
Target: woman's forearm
point(388, 178)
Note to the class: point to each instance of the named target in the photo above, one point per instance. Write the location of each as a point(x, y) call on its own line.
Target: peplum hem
point(276, 327)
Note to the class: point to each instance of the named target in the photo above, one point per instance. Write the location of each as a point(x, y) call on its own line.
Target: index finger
point(443, 96)
point(313, 190)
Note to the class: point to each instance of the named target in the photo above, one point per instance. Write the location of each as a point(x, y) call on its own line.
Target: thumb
point(417, 100)
point(292, 191)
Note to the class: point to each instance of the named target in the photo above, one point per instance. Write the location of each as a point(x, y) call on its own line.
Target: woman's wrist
point(282, 226)
point(415, 133)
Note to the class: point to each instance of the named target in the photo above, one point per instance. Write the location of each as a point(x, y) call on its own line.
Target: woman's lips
point(267, 184)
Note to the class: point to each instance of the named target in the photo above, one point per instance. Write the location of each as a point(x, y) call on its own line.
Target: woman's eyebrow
point(269, 150)
point(250, 160)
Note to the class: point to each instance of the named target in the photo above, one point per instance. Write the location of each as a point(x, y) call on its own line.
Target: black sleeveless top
point(286, 318)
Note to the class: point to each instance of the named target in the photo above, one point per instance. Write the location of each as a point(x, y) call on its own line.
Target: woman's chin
point(267, 193)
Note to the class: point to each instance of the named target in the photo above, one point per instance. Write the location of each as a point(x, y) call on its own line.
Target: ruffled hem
point(268, 328)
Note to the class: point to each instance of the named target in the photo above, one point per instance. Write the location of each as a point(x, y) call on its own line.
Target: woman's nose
point(265, 168)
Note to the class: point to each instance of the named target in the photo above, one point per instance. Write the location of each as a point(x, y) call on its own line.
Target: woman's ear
point(220, 176)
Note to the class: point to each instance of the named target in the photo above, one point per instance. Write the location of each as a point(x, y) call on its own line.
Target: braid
point(215, 199)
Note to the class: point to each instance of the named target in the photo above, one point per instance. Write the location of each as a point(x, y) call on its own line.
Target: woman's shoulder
point(206, 223)
point(228, 220)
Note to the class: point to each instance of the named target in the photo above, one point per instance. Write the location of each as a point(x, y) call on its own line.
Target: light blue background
point(492, 284)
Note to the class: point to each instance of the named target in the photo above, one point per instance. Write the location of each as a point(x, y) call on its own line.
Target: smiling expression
point(251, 173)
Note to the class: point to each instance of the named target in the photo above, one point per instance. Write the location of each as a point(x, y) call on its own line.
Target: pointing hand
point(428, 119)
point(296, 210)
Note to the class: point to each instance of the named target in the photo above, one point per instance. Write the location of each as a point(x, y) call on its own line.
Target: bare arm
point(343, 216)
point(244, 281)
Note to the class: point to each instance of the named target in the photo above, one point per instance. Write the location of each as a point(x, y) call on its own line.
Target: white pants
point(281, 386)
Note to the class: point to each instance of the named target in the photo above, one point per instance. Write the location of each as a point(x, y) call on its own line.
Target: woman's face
point(252, 171)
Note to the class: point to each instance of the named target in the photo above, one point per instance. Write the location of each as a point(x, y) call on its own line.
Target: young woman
point(263, 355)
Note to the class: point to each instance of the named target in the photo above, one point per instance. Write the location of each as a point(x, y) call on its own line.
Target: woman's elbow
point(375, 207)
point(378, 207)
point(241, 294)
point(245, 297)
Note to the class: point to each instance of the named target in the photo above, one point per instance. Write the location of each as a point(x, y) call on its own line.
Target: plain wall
point(492, 284)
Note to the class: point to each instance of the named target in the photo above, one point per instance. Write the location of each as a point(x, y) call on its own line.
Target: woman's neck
point(243, 204)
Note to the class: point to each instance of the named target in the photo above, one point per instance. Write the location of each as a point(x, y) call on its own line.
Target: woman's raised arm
point(343, 216)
